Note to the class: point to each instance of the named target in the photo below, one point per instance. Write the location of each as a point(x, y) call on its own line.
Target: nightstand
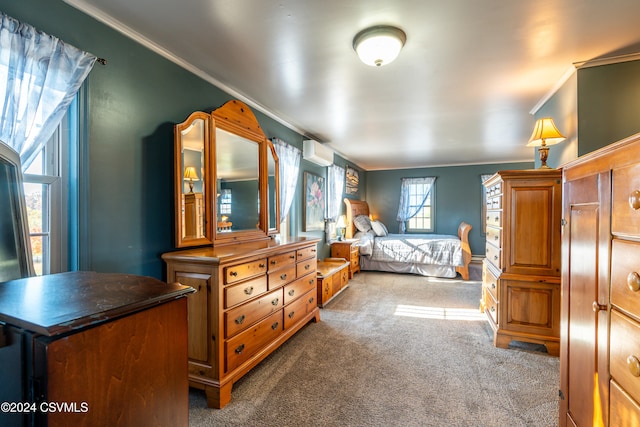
point(347, 249)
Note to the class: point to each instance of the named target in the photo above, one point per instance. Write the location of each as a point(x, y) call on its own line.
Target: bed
point(434, 255)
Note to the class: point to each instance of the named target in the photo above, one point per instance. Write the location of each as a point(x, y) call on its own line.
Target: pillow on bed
point(362, 223)
point(365, 242)
point(379, 228)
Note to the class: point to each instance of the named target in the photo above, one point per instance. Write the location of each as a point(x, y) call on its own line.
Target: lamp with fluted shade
point(190, 174)
point(545, 133)
point(379, 45)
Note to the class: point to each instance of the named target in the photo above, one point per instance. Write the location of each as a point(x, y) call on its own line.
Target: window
point(423, 220)
point(44, 198)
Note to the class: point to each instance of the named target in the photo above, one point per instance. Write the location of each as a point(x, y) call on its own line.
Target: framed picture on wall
point(352, 181)
point(314, 202)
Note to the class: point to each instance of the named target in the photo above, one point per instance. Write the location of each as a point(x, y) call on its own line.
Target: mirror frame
point(183, 241)
point(237, 118)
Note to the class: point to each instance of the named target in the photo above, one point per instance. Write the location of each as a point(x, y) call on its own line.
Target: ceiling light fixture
point(545, 133)
point(379, 45)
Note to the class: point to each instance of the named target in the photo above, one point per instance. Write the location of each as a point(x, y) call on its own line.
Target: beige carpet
point(395, 350)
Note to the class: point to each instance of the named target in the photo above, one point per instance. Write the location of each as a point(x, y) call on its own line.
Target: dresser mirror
point(192, 189)
point(238, 186)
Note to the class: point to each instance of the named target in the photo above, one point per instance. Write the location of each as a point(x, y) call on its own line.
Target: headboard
point(354, 208)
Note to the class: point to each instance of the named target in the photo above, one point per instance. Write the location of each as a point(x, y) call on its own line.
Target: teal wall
point(608, 104)
point(458, 191)
point(132, 104)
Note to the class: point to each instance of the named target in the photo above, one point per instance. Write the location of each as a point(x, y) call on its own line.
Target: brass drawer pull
point(598, 307)
point(292, 256)
point(233, 273)
point(633, 281)
point(291, 292)
point(311, 300)
point(262, 265)
point(493, 286)
point(292, 314)
point(306, 267)
point(248, 290)
point(312, 281)
point(275, 301)
point(283, 276)
point(634, 200)
point(275, 326)
point(634, 365)
point(239, 349)
point(493, 309)
point(239, 320)
point(274, 262)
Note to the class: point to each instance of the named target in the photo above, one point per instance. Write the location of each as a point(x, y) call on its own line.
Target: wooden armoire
point(600, 326)
point(521, 270)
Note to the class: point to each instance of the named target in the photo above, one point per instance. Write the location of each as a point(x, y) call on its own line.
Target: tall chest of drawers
point(521, 271)
point(600, 346)
point(251, 298)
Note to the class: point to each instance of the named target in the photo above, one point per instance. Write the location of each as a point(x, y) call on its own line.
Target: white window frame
point(414, 224)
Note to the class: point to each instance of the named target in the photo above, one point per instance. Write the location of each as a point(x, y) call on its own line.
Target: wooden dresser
point(347, 249)
point(251, 297)
point(93, 349)
point(600, 346)
point(521, 271)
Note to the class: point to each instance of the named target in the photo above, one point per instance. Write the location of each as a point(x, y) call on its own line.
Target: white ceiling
point(461, 91)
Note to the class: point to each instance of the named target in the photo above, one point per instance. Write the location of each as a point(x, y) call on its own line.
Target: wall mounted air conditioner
point(317, 153)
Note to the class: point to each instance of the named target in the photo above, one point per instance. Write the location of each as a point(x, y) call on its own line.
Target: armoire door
point(584, 374)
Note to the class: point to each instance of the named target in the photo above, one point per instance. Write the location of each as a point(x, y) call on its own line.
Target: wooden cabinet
point(600, 345)
point(333, 278)
point(111, 347)
point(251, 298)
point(193, 215)
point(348, 250)
point(521, 271)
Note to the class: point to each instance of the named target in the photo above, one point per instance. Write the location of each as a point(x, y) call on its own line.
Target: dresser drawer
point(625, 219)
point(305, 253)
point(494, 202)
point(236, 273)
point(490, 282)
point(241, 292)
point(624, 353)
point(296, 311)
point(491, 306)
point(296, 289)
point(240, 318)
point(493, 236)
point(241, 347)
point(623, 409)
point(305, 267)
point(281, 277)
point(493, 255)
point(282, 260)
point(625, 275)
point(494, 218)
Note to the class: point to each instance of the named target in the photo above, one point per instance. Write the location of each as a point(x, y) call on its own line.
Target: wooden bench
point(333, 278)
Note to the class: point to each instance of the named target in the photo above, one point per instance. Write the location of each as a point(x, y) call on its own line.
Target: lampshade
point(190, 173)
point(544, 133)
point(379, 45)
point(342, 222)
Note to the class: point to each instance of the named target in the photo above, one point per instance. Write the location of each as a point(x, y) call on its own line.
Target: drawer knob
point(275, 302)
point(240, 320)
point(275, 326)
point(248, 290)
point(311, 300)
point(233, 273)
point(240, 349)
point(633, 281)
point(307, 266)
point(634, 365)
point(598, 307)
point(274, 262)
point(292, 292)
point(293, 313)
point(493, 285)
point(634, 200)
point(283, 276)
point(262, 265)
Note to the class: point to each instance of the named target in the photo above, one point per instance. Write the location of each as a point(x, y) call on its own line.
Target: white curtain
point(39, 76)
point(405, 210)
point(335, 190)
point(289, 165)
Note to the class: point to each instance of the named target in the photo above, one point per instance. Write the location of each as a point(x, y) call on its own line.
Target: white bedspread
point(435, 249)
